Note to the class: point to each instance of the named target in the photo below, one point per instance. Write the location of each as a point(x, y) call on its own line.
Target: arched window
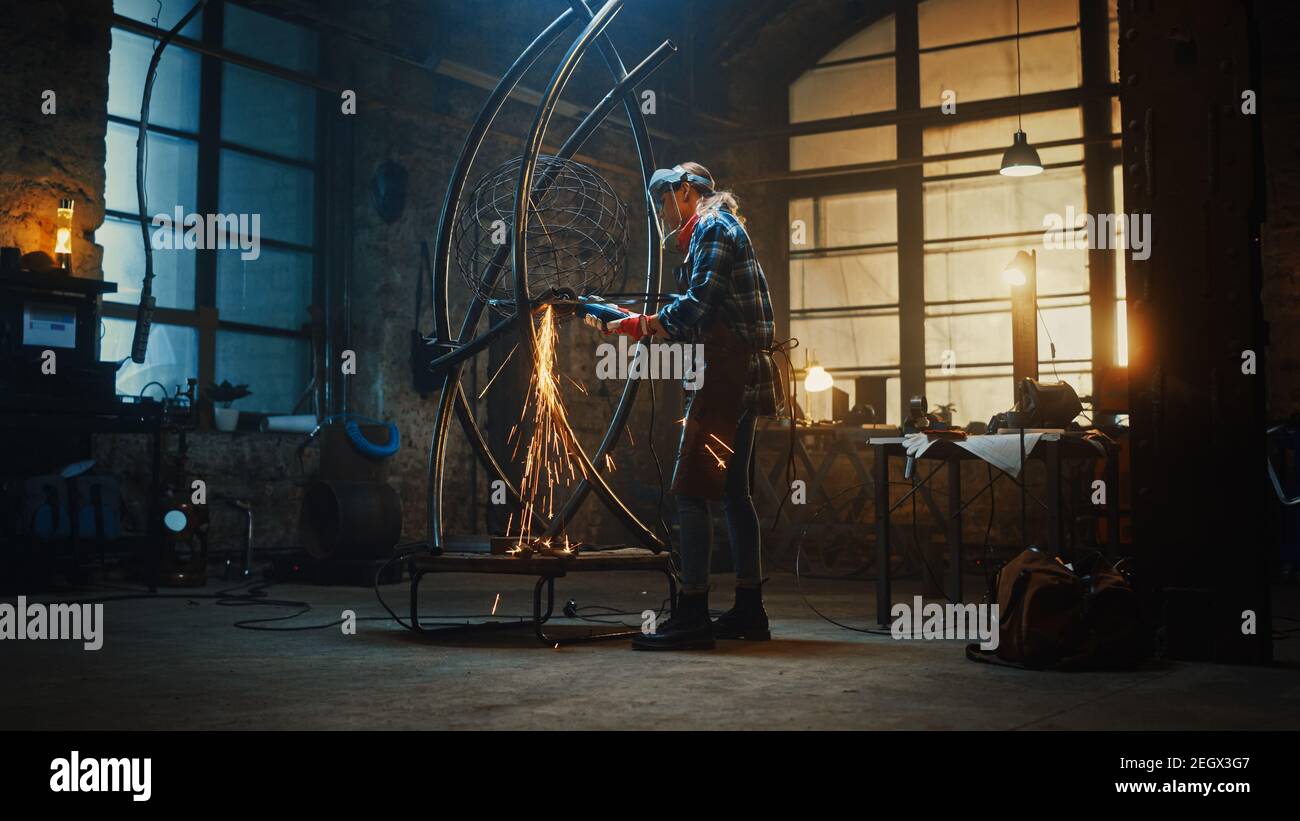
point(901, 224)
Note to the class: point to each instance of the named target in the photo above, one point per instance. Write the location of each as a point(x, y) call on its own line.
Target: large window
point(928, 192)
point(223, 140)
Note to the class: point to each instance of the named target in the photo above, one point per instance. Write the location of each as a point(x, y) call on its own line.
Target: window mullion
point(911, 222)
point(205, 263)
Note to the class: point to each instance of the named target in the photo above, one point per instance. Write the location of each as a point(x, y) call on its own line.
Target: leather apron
point(712, 413)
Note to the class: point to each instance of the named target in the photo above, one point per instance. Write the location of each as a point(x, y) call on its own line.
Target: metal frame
point(456, 350)
point(204, 317)
point(544, 580)
point(1053, 453)
point(906, 176)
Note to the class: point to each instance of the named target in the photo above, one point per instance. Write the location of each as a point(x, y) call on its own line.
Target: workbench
point(1052, 448)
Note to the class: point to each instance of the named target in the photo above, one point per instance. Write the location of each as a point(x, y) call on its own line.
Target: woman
point(722, 304)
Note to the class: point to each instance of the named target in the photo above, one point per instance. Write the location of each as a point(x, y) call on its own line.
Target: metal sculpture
point(525, 251)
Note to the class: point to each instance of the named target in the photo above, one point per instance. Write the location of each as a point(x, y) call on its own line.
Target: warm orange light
point(548, 458)
point(63, 234)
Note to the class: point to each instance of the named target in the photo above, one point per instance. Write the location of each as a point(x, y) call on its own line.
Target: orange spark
point(721, 464)
point(720, 442)
point(551, 445)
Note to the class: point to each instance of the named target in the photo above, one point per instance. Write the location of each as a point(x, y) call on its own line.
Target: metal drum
point(343, 519)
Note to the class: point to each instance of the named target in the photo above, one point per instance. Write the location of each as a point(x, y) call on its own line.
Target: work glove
point(633, 326)
point(914, 443)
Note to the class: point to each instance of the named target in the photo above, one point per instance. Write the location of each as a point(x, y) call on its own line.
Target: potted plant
point(221, 396)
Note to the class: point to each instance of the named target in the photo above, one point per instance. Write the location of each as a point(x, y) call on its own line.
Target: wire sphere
point(577, 231)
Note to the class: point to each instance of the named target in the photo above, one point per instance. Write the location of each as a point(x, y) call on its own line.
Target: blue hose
point(352, 427)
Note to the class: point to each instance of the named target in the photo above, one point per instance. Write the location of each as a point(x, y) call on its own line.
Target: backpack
point(1055, 617)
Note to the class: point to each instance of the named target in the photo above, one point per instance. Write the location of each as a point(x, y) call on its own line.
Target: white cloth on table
point(1001, 450)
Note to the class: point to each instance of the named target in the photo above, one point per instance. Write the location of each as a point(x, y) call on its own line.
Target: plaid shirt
point(722, 275)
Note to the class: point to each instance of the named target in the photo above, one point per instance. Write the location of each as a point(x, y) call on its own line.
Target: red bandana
point(684, 235)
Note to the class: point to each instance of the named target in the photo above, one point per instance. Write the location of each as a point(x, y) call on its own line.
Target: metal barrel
point(343, 519)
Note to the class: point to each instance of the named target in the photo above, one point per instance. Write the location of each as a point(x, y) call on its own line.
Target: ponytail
point(712, 200)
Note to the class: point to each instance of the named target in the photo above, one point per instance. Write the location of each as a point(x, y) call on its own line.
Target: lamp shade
point(1021, 159)
point(817, 380)
point(1017, 271)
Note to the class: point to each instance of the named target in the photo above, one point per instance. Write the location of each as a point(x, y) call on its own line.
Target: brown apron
point(712, 413)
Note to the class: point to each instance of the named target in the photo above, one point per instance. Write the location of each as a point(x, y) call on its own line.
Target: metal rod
point(653, 284)
point(585, 129)
point(523, 189)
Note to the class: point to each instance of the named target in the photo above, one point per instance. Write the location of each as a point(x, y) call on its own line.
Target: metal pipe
point(440, 284)
point(653, 283)
point(523, 188)
point(528, 167)
point(622, 90)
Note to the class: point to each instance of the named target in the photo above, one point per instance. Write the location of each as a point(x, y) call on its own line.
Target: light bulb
point(817, 380)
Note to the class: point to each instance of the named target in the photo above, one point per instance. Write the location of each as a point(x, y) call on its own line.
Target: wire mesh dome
point(577, 231)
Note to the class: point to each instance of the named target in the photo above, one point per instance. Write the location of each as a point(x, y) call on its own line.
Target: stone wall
point(59, 47)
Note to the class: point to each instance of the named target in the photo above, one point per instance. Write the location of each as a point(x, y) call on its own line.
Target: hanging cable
point(144, 312)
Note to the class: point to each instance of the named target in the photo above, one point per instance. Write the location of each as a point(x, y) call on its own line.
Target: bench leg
point(539, 618)
point(415, 601)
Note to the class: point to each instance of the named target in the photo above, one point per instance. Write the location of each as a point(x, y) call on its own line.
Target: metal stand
point(547, 569)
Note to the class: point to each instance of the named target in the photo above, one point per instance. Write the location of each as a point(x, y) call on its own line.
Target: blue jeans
point(742, 520)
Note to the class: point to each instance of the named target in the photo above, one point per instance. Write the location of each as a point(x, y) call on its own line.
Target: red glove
point(634, 326)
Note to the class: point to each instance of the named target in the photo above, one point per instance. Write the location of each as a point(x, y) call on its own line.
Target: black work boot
point(747, 620)
point(688, 629)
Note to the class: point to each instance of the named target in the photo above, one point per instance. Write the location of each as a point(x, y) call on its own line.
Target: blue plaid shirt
point(722, 277)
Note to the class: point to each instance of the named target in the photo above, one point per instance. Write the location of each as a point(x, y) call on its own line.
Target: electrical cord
point(798, 575)
point(791, 472)
point(145, 308)
point(916, 545)
point(659, 473)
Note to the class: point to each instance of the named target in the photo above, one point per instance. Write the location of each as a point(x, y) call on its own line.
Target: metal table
point(1051, 451)
point(547, 568)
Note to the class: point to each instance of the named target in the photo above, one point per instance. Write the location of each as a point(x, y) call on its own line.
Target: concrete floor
point(178, 663)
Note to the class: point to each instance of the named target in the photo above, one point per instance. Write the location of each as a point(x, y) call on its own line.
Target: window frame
point(205, 316)
point(905, 175)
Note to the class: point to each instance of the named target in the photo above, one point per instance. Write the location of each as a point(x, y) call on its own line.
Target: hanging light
point(818, 379)
point(1021, 159)
point(1017, 271)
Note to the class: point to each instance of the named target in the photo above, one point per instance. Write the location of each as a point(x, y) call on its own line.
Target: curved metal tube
point(575, 141)
point(624, 83)
point(654, 269)
point(523, 189)
point(441, 264)
point(528, 167)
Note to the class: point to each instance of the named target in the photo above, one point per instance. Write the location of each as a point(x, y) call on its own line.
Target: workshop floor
point(179, 663)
